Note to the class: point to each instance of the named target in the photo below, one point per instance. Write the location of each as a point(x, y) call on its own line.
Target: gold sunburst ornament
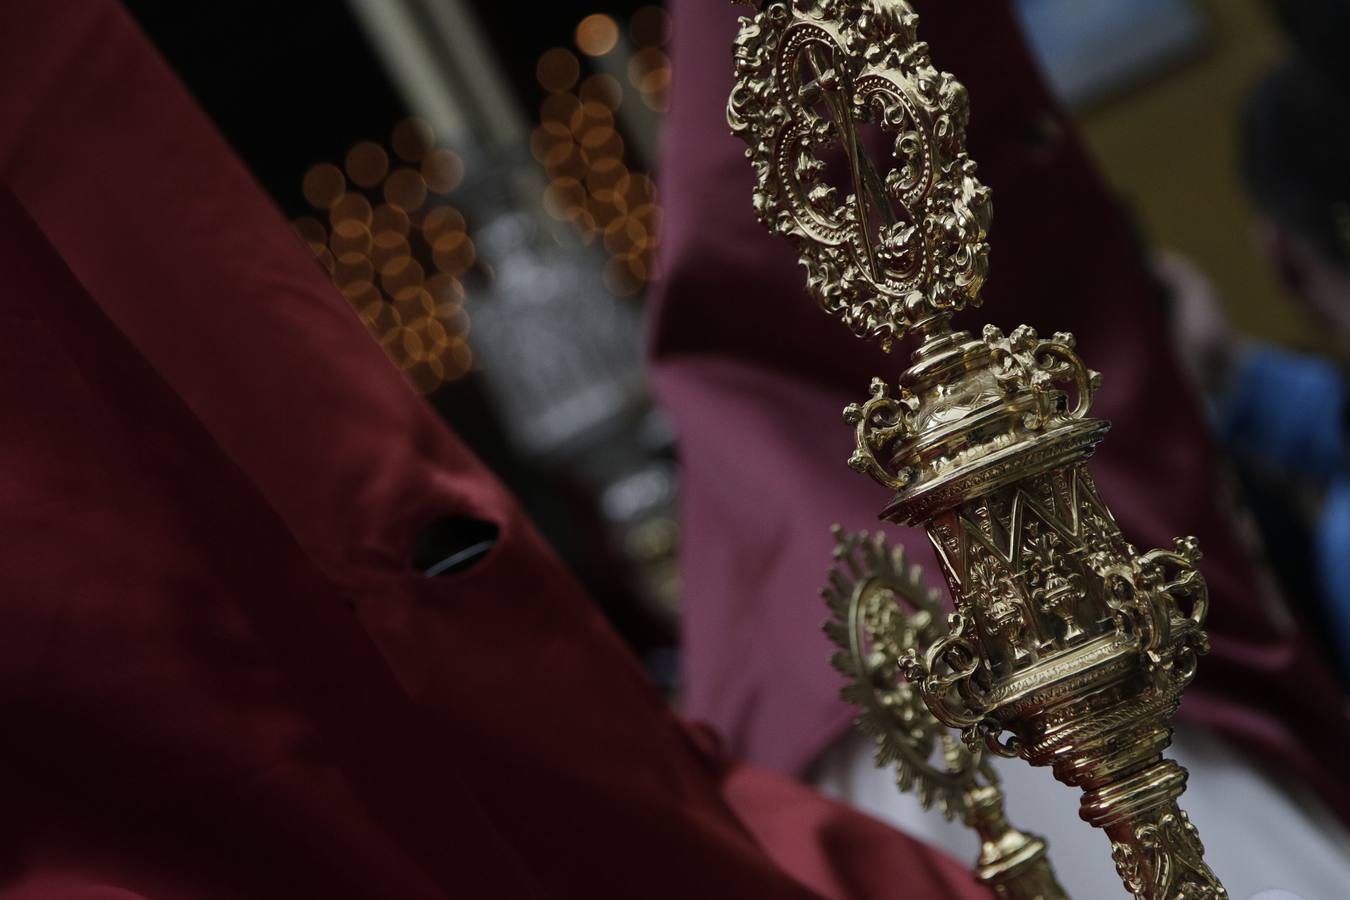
point(1068, 647)
point(881, 611)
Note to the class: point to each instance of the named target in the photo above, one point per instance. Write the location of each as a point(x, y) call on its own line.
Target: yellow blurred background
point(1169, 145)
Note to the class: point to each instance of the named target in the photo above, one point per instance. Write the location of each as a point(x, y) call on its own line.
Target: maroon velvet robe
point(220, 677)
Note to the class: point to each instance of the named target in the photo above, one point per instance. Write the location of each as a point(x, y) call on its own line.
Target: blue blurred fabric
point(1288, 410)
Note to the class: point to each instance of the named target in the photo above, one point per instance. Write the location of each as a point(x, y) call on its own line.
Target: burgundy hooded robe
point(219, 675)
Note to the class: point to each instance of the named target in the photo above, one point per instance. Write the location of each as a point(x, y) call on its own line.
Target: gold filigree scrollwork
point(1150, 594)
point(1187, 583)
point(878, 424)
point(904, 247)
point(1042, 368)
point(1177, 582)
point(1165, 858)
point(947, 675)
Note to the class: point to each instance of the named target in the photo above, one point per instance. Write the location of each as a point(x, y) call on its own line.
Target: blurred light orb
point(601, 88)
point(656, 82)
point(602, 213)
point(543, 140)
point(367, 164)
point(415, 304)
point(641, 190)
point(406, 189)
point(607, 172)
point(442, 171)
point(350, 236)
point(590, 115)
point(412, 343)
point(386, 247)
point(441, 220)
point(363, 296)
point(557, 69)
point(555, 147)
point(643, 67)
point(412, 139)
point(432, 332)
point(391, 339)
point(636, 263)
point(611, 149)
point(453, 253)
point(350, 208)
point(322, 185)
point(597, 137)
point(389, 218)
point(401, 274)
point(562, 196)
point(353, 268)
point(625, 235)
point(567, 161)
point(585, 223)
point(649, 214)
point(445, 290)
point(650, 26)
point(597, 34)
point(559, 108)
point(456, 322)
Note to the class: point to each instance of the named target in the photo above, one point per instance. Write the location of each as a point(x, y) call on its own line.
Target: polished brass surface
point(1068, 647)
point(881, 611)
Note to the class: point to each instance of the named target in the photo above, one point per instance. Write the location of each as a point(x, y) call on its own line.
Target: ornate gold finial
point(899, 250)
point(1065, 637)
point(881, 612)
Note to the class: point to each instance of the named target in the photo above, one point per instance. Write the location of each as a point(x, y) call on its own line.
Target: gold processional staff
point(1068, 647)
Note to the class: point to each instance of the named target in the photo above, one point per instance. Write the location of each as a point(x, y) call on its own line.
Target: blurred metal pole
point(437, 54)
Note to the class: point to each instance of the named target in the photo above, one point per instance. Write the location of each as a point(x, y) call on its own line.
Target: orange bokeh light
point(352, 268)
point(603, 89)
point(405, 188)
point(597, 34)
point(557, 69)
point(388, 246)
point(350, 236)
point(323, 184)
point(400, 274)
point(442, 170)
point(453, 252)
point(445, 290)
point(441, 220)
point(650, 26)
point(558, 108)
point(361, 294)
point(367, 164)
point(350, 208)
point(412, 139)
point(389, 218)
